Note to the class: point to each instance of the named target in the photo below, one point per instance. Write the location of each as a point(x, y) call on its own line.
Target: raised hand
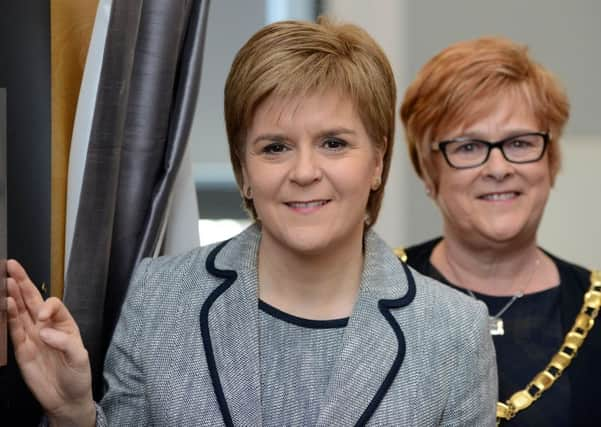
point(49, 351)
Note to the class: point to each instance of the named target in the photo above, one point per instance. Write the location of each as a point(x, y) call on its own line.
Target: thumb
point(68, 344)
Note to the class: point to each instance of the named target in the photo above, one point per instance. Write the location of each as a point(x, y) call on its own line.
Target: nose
point(306, 168)
point(497, 167)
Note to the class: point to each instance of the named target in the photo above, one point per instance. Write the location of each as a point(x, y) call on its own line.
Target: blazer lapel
point(373, 345)
point(229, 327)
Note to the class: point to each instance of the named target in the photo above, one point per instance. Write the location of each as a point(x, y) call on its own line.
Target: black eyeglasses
point(465, 152)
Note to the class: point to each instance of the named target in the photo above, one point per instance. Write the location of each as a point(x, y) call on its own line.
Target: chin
point(309, 247)
point(305, 239)
point(505, 235)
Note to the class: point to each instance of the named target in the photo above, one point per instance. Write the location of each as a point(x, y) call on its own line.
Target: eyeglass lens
point(517, 149)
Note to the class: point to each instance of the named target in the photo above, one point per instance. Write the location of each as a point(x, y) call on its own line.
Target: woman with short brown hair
point(306, 317)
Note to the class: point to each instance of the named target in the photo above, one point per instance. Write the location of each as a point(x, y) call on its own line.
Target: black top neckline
point(300, 321)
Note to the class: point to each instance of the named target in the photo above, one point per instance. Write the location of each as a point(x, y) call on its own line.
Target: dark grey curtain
point(144, 108)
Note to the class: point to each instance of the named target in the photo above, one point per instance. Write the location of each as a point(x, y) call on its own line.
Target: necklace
point(584, 322)
point(574, 339)
point(495, 322)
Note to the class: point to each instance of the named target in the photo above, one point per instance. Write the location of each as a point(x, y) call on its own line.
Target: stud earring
point(376, 183)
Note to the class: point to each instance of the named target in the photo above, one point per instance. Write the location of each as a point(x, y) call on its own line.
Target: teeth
point(307, 204)
point(499, 196)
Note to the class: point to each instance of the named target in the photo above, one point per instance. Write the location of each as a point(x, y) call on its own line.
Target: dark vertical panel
point(25, 73)
point(3, 331)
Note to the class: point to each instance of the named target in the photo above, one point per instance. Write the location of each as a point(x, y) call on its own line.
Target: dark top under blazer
point(186, 349)
point(585, 370)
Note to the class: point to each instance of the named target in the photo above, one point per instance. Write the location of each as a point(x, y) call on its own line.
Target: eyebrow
point(336, 132)
point(269, 137)
point(482, 136)
point(280, 137)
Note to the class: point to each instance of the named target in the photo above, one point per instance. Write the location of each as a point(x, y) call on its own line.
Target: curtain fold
point(182, 212)
point(143, 111)
point(71, 25)
point(82, 123)
point(87, 270)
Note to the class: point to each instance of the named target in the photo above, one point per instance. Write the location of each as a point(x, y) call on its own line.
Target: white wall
point(387, 24)
point(571, 227)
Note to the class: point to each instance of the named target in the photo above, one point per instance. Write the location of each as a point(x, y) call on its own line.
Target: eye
point(274, 148)
point(467, 147)
point(520, 143)
point(334, 144)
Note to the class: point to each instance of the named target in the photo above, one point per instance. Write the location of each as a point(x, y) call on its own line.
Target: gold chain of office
point(572, 342)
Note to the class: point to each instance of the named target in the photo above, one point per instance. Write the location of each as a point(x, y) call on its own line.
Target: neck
point(319, 286)
point(500, 271)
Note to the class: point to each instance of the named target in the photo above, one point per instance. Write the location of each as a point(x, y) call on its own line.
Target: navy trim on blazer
point(230, 277)
point(385, 305)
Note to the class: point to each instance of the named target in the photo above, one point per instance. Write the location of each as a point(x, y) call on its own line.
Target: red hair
point(464, 81)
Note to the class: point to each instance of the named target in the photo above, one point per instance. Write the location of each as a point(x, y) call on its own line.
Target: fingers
point(49, 321)
point(20, 310)
point(53, 311)
point(59, 330)
point(67, 343)
point(16, 271)
point(15, 327)
point(30, 293)
point(28, 312)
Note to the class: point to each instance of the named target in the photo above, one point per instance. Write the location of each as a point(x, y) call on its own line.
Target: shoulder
point(448, 323)
point(166, 271)
point(159, 286)
point(174, 265)
point(422, 249)
point(418, 256)
point(571, 274)
point(199, 268)
point(444, 304)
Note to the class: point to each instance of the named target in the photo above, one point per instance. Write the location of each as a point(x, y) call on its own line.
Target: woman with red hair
point(483, 123)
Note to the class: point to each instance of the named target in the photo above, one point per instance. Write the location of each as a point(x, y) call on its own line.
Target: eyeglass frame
point(441, 146)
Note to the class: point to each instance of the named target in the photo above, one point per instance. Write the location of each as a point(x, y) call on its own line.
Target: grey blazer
point(186, 352)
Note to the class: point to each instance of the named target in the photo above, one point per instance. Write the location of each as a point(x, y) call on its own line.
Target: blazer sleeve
point(124, 402)
point(474, 397)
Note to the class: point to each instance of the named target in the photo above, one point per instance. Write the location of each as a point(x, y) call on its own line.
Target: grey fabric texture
point(156, 368)
point(147, 93)
point(87, 271)
point(296, 362)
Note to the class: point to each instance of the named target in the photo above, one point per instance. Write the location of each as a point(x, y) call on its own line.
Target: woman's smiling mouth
point(307, 206)
point(497, 197)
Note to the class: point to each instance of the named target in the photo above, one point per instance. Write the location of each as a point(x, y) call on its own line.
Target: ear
point(376, 179)
point(431, 188)
point(245, 187)
point(380, 153)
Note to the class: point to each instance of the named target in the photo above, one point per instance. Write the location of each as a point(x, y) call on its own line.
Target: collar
point(230, 334)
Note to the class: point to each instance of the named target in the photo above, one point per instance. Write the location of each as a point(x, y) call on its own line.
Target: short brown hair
point(450, 88)
point(297, 58)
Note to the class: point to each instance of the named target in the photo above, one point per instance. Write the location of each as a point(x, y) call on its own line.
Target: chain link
point(573, 340)
point(585, 320)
